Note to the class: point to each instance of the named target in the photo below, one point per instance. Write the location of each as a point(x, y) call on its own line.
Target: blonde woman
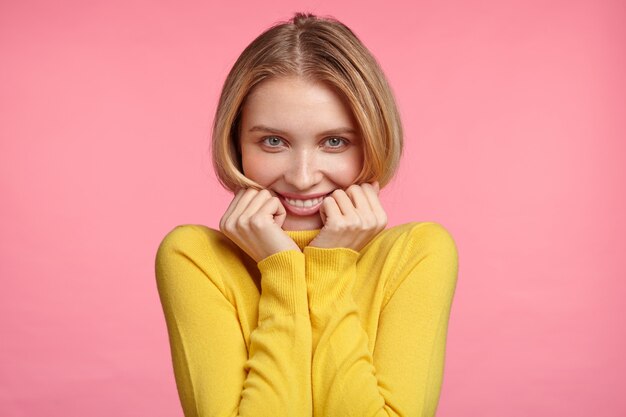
point(303, 303)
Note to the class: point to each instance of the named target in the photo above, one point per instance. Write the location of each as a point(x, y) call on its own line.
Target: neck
point(302, 237)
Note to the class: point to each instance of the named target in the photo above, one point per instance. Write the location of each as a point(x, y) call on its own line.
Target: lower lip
point(301, 211)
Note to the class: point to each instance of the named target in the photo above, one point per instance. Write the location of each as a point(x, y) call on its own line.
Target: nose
point(304, 171)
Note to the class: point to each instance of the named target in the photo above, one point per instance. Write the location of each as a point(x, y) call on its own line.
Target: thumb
point(323, 213)
point(279, 212)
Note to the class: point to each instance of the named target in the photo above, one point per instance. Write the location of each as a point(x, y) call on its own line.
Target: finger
point(357, 195)
point(344, 203)
point(274, 208)
point(257, 201)
point(244, 201)
point(323, 213)
point(331, 209)
point(374, 200)
point(232, 206)
point(234, 202)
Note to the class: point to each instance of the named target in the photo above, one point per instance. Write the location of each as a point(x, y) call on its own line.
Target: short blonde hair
point(317, 49)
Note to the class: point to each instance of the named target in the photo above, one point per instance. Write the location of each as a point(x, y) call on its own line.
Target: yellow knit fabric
point(317, 332)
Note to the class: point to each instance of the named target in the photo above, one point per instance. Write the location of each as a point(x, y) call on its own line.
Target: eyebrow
point(337, 131)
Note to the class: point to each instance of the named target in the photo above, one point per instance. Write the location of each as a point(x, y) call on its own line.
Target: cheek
point(347, 169)
point(257, 168)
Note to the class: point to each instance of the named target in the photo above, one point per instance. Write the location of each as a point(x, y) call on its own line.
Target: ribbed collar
point(302, 237)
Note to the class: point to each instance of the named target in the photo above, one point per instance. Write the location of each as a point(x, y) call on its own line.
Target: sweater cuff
point(330, 274)
point(283, 286)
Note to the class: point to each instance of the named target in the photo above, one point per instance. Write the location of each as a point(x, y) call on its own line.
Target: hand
point(351, 218)
point(253, 222)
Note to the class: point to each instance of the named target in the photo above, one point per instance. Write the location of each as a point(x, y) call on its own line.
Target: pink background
point(515, 125)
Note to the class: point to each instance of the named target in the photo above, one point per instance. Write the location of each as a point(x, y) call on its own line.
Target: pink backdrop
point(514, 116)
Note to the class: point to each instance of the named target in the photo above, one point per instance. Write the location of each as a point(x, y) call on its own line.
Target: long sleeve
point(217, 372)
point(403, 375)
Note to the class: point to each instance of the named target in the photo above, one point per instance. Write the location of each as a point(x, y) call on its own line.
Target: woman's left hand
point(351, 218)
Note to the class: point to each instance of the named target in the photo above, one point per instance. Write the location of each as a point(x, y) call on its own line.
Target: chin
point(303, 222)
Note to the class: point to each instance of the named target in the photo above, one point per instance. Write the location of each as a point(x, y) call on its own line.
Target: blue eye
point(336, 142)
point(272, 141)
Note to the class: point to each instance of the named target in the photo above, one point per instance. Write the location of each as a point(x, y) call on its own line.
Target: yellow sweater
point(323, 332)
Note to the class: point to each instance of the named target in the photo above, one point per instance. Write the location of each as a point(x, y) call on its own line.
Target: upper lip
point(302, 197)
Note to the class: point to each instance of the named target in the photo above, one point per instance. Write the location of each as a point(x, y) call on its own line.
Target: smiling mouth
point(302, 207)
point(304, 203)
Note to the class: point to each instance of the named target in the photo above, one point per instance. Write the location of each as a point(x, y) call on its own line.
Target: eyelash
point(344, 141)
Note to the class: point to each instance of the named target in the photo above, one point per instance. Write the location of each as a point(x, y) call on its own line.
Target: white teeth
point(304, 203)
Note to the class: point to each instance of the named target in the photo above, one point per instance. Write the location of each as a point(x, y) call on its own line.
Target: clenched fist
point(253, 222)
point(351, 218)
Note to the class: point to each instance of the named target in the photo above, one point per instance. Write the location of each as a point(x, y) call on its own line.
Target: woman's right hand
point(253, 221)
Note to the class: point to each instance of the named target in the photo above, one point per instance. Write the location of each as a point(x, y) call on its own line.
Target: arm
point(403, 376)
point(215, 374)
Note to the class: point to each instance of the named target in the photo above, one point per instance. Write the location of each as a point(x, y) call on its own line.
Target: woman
point(303, 303)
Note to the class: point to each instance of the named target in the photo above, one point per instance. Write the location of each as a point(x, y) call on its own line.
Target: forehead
point(292, 103)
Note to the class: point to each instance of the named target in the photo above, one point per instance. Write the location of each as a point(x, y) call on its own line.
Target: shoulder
point(186, 234)
point(425, 251)
point(191, 239)
point(192, 250)
point(418, 237)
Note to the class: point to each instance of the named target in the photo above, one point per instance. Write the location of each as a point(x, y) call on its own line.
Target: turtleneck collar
point(302, 237)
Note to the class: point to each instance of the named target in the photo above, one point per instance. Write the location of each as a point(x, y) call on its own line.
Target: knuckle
point(251, 191)
point(243, 222)
point(370, 224)
point(336, 225)
point(228, 227)
point(257, 222)
point(355, 225)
